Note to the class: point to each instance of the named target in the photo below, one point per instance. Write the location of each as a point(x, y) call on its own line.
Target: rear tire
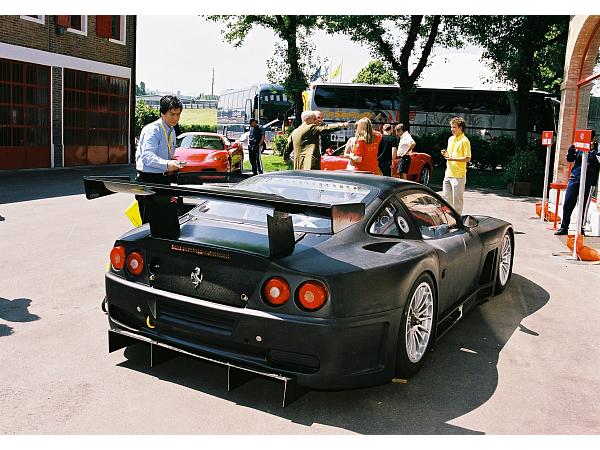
point(417, 327)
point(505, 263)
point(425, 175)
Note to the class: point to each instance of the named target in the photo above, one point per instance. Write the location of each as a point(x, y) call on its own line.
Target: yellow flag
point(336, 73)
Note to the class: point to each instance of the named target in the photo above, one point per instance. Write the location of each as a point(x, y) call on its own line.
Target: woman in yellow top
point(457, 155)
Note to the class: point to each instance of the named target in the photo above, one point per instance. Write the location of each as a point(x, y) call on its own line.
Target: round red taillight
point(312, 295)
point(276, 291)
point(135, 263)
point(117, 257)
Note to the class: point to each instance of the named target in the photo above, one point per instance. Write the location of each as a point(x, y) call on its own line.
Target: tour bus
point(267, 103)
point(490, 113)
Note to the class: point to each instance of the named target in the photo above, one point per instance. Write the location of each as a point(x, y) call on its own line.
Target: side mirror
point(329, 151)
point(470, 221)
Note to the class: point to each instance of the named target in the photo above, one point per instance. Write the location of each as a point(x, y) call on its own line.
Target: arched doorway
point(581, 89)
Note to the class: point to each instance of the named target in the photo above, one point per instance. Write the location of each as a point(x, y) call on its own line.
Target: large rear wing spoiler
point(280, 226)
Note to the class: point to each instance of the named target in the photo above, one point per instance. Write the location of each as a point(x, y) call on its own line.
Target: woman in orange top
point(364, 155)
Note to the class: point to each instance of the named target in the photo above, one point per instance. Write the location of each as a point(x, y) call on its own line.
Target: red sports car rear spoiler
point(280, 227)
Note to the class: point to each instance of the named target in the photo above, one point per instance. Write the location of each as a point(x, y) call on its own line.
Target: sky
point(199, 47)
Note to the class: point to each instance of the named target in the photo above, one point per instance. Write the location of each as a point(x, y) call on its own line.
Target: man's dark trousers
point(385, 167)
point(570, 201)
point(254, 154)
point(145, 202)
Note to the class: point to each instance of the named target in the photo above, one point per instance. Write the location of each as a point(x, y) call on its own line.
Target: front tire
point(505, 263)
point(416, 327)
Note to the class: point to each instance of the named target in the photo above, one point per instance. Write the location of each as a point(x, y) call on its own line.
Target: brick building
point(66, 90)
point(580, 97)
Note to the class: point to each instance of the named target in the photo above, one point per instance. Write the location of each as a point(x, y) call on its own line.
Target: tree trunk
point(295, 84)
point(524, 85)
point(405, 106)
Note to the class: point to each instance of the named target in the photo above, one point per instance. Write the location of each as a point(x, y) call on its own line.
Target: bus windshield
point(267, 103)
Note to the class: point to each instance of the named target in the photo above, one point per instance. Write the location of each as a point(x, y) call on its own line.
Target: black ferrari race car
point(329, 280)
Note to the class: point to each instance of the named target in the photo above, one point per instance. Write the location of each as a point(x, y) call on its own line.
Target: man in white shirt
point(405, 146)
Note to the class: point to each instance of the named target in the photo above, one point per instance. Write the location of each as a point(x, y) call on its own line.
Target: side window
point(433, 217)
point(389, 222)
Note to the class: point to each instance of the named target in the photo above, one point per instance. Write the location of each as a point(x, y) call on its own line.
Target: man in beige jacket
point(304, 142)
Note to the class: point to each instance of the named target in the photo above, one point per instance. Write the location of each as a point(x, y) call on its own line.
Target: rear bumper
point(317, 353)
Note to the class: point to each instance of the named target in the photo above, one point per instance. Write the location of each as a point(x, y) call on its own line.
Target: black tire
point(505, 262)
point(425, 175)
point(409, 357)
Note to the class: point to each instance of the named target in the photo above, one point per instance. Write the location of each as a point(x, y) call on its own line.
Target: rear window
point(317, 191)
point(303, 189)
point(257, 215)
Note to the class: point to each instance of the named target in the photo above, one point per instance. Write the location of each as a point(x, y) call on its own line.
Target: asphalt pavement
point(525, 362)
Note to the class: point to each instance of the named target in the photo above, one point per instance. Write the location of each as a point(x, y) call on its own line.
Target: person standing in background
point(256, 137)
point(386, 150)
point(304, 142)
point(572, 192)
point(457, 154)
point(364, 155)
point(154, 156)
point(406, 144)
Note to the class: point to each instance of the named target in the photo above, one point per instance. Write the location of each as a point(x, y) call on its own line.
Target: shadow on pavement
point(457, 378)
point(16, 310)
point(25, 185)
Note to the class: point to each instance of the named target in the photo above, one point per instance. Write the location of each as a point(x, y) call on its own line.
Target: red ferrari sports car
point(419, 170)
point(209, 152)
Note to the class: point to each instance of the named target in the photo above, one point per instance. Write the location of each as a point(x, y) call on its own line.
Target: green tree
point(144, 115)
point(417, 37)
point(140, 89)
point(525, 51)
point(374, 73)
point(288, 29)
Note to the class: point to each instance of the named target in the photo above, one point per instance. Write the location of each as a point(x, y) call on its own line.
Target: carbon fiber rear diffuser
point(236, 375)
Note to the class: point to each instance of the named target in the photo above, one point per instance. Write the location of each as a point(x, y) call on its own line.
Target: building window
point(78, 25)
point(96, 118)
point(36, 19)
point(24, 104)
point(118, 29)
point(111, 27)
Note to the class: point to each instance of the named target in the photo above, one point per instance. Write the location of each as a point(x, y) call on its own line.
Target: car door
point(459, 249)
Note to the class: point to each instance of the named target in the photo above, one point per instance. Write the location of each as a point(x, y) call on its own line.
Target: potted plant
point(521, 169)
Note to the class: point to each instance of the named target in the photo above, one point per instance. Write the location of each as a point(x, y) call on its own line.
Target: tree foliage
point(140, 89)
point(288, 29)
point(144, 115)
point(375, 73)
point(411, 37)
point(525, 51)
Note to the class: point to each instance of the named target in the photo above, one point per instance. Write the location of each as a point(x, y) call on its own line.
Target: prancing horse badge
point(196, 276)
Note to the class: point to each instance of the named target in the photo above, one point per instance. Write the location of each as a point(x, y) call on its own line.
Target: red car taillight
point(135, 263)
point(117, 257)
point(276, 291)
point(312, 295)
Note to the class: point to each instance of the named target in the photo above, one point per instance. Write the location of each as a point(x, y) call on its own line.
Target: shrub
point(279, 142)
point(197, 127)
point(524, 165)
point(144, 115)
point(485, 154)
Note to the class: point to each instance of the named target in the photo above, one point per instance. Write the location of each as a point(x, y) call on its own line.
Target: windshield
point(199, 141)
